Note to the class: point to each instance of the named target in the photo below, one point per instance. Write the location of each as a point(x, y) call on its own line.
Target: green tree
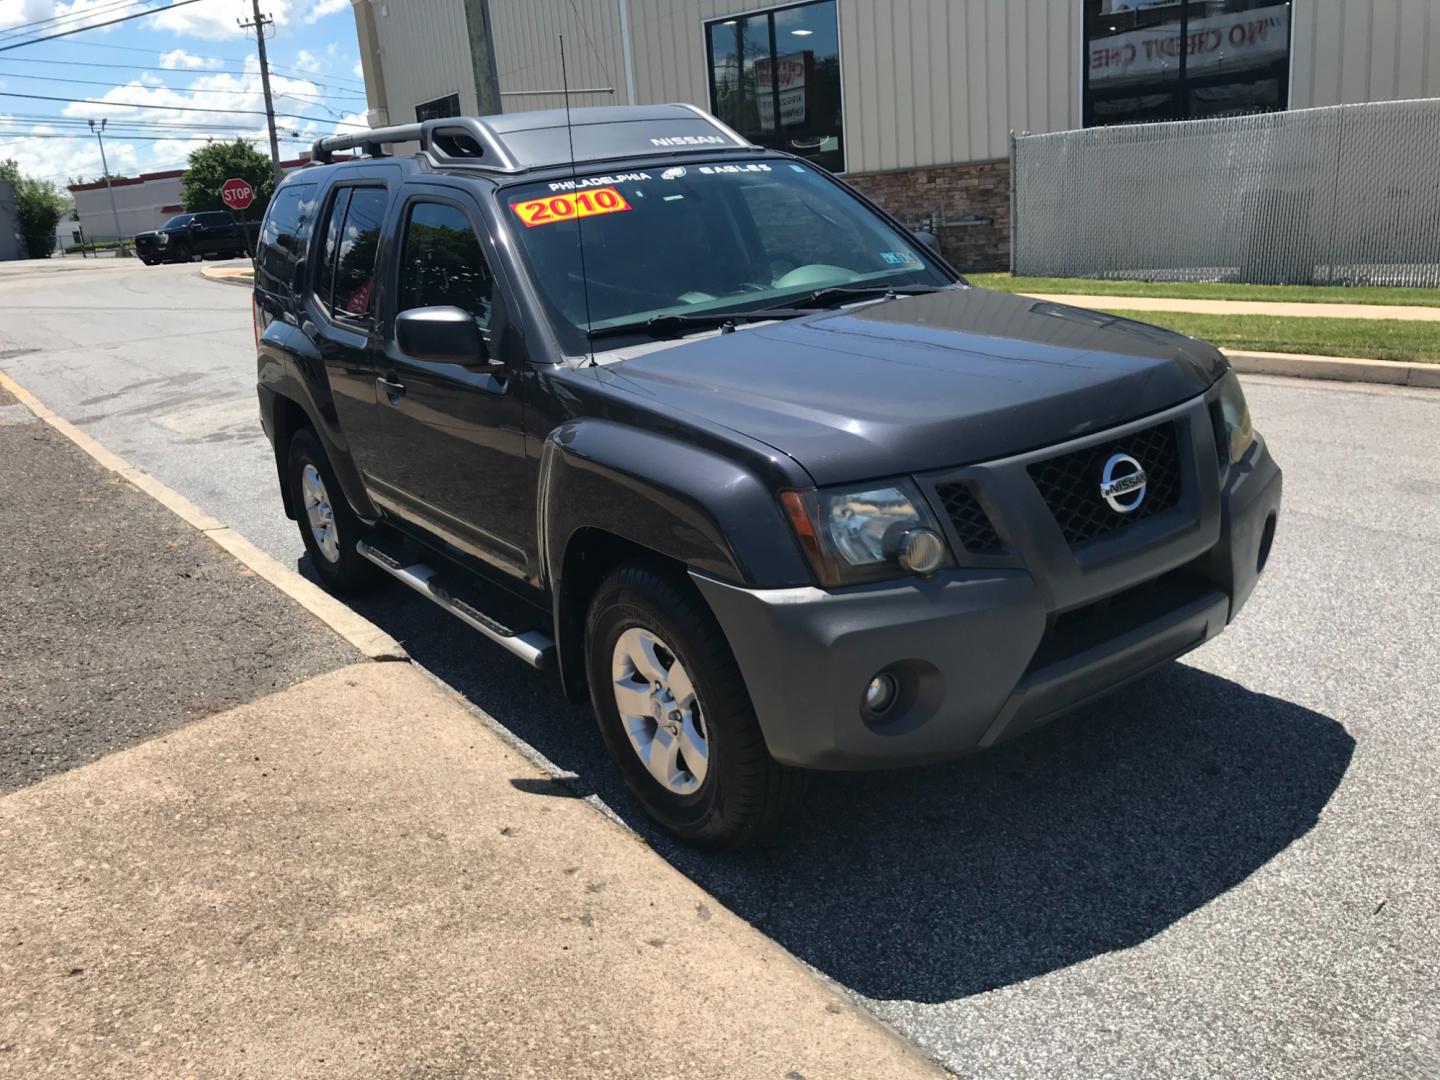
point(38, 205)
point(213, 164)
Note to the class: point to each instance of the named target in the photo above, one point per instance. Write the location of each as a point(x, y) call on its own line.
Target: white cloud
point(14, 13)
point(180, 59)
point(358, 71)
point(323, 8)
point(305, 60)
point(217, 21)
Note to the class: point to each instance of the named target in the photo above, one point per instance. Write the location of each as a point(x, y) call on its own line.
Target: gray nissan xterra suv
point(699, 427)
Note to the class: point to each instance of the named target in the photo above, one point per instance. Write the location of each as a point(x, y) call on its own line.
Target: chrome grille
point(1070, 483)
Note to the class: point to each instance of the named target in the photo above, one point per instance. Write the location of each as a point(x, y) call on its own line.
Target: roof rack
point(517, 142)
point(453, 140)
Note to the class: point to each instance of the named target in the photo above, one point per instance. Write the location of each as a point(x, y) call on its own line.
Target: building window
point(1235, 59)
point(775, 78)
point(449, 105)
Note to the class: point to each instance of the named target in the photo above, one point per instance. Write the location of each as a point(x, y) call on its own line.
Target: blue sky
point(193, 57)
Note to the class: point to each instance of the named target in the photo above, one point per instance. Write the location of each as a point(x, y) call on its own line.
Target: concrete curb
point(229, 275)
point(372, 642)
point(1337, 368)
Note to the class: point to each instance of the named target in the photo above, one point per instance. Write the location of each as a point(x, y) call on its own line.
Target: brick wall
point(928, 197)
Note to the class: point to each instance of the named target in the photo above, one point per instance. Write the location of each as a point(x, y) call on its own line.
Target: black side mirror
point(930, 240)
point(446, 335)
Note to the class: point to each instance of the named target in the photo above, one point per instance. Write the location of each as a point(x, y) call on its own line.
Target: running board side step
point(535, 648)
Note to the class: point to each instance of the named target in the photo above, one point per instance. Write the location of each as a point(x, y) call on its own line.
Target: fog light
point(880, 694)
point(922, 551)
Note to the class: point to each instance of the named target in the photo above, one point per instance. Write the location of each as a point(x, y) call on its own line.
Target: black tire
point(149, 262)
point(347, 571)
point(745, 794)
point(181, 252)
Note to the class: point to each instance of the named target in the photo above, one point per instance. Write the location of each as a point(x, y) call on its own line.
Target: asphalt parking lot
point(1229, 870)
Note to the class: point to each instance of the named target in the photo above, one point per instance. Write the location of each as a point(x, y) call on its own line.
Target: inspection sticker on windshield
point(570, 205)
point(899, 258)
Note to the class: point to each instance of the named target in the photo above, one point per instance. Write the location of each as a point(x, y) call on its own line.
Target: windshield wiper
point(841, 294)
point(668, 325)
point(832, 296)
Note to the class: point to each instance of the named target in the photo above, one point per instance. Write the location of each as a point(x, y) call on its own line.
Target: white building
point(142, 203)
point(914, 100)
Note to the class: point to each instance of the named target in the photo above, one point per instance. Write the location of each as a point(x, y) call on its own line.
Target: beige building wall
point(1349, 51)
point(417, 51)
point(527, 52)
point(925, 81)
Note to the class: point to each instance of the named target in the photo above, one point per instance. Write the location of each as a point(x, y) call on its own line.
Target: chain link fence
point(1348, 194)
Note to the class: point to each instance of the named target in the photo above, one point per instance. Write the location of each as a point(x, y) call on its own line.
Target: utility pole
point(119, 239)
point(258, 24)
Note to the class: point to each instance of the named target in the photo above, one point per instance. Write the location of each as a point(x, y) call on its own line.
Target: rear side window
point(346, 280)
point(441, 264)
point(284, 239)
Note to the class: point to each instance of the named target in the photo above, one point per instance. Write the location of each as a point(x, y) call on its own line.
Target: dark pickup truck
point(701, 429)
point(212, 232)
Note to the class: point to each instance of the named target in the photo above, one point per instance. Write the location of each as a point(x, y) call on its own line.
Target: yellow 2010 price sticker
point(570, 205)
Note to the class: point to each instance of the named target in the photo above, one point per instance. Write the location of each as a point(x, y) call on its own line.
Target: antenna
point(574, 176)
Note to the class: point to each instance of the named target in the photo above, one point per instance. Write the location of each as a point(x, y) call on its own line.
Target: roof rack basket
point(465, 140)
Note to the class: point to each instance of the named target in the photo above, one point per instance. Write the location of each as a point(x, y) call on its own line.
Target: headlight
point(866, 533)
point(1239, 432)
point(162, 239)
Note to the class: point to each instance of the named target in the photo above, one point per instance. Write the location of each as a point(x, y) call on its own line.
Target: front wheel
point(181, 252)
point(328, 527)
point(675, 715)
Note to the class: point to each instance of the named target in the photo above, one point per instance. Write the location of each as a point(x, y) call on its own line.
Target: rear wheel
point(328, 527)
point(675, 715)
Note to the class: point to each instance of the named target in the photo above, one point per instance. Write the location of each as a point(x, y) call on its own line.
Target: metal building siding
point(425, 54)
point(926, 82)
point(527, 51)
point(1351, 51)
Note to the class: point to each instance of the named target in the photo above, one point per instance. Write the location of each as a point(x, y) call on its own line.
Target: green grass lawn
point(1377, 339)
point(1300, 294)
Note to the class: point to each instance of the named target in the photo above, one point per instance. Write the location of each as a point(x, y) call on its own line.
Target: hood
point(925, 382)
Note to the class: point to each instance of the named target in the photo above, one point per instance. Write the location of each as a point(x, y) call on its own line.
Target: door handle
point(393, 390)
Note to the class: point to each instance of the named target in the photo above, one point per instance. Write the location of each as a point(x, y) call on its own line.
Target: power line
point(176, 108)
point(222, 59)
point(147, 138)
point(96, 26)
point(176, 89)
point(198, 72)
point(69, 16)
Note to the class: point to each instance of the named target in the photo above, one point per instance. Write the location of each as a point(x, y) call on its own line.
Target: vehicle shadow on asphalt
point(1090, 835)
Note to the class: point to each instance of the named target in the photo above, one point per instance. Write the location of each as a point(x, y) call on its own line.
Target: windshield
point(700, 238)
point(177, 222)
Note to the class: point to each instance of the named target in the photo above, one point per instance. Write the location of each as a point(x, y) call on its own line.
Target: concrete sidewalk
point(212, 868)
point(1244, 307)
point(356, 878)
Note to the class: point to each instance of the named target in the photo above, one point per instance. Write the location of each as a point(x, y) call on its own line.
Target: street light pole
point(119, 239)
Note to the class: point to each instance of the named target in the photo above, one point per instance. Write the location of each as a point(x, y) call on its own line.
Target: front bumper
point(986, 653)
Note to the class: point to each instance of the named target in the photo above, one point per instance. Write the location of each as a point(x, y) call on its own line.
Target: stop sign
point(237, 194)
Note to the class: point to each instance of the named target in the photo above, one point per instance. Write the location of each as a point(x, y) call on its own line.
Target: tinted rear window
point(284, 239)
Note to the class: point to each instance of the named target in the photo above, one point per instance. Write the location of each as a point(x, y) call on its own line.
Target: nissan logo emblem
point(1122, 483)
